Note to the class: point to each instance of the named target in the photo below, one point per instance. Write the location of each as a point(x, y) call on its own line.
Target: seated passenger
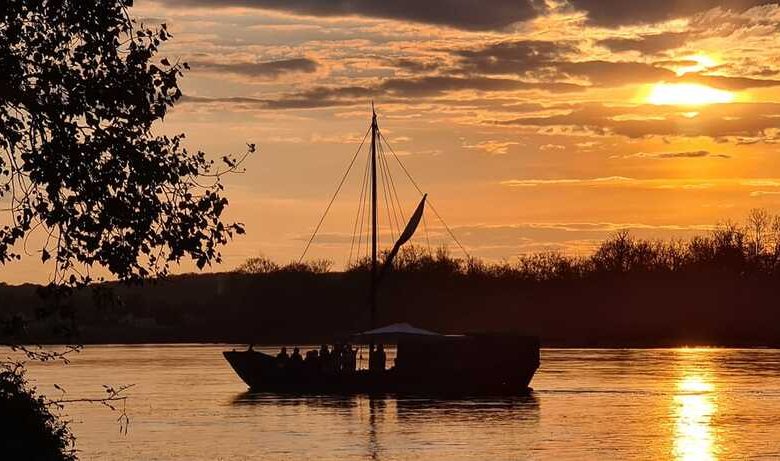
point(325, 358)
point(296, 357)
point(312, 356)
point(381, 357)
point(377, 359)
point(350, 359)
point(337, 357)
point(282, 356)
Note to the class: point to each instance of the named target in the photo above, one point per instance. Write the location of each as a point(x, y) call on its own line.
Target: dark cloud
point(647, 44)
point(611, 74)
point(673, 155)
point(317, 97)
point(728, 83)
point(437, 85)
point(515, 57)
point(395, 89)
point(715, 121)
point(268, 69)
point(547, 61)
point(614, 13)
point(462, 14)
point(415, 66)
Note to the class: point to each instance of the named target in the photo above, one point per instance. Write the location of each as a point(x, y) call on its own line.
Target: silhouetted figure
point(251, 348)
point(296, 358)
point(282, 356)
point(350, 358)
point(338, 357)
point(325, 358)
point(381, 357)
point(376, 358)
point(312, 359)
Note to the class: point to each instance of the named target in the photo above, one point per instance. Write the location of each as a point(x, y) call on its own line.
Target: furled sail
point(408, 232)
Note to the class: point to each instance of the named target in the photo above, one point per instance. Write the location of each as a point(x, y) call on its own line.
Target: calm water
point(686, 404)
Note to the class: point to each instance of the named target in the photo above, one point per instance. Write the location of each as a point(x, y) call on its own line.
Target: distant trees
point(262, 265)
point(753, 247)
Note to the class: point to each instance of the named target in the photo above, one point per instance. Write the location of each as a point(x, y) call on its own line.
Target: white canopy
point(396, 330)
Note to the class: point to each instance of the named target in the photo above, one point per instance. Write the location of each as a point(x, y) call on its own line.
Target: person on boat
point(377, 358)
point(282, 356)
point(312, 356)
point(338, 357)
point(350, 358)
point(325, 358)
point(296, 358)
point(381, 357)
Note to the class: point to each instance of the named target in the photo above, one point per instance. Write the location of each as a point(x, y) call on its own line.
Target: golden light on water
point(687, 94)
point(694, 406)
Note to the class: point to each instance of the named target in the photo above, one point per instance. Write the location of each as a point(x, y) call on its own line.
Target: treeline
point(750, 248)
point(717, 289)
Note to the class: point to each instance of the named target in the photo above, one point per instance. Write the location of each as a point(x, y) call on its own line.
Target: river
point(599, 404)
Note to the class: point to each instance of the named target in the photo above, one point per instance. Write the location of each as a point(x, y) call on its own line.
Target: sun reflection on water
point(695, 404)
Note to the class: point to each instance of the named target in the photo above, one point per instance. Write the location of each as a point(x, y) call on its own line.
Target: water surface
point(682, 404)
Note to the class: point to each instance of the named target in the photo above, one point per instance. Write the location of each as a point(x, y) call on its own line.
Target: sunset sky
point(533, 125)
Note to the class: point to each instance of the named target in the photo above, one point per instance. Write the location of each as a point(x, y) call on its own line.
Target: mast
point(374, 129)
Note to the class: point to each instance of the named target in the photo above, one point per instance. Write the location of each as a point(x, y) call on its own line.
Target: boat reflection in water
point(694, 406)
point(380, 421)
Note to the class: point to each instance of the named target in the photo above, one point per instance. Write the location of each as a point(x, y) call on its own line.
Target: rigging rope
point(430, 205)
point(398, 222)
point(388, 203)
point(363, 215)
point(358, 216)
point(344, 178)
point(425, 228)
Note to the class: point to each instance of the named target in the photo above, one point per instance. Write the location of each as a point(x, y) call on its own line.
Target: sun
point(687, 94)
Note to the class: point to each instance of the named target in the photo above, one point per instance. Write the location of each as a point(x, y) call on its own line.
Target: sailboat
point(426, 362)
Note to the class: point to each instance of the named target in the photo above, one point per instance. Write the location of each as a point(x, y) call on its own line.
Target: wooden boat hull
point(503, 373)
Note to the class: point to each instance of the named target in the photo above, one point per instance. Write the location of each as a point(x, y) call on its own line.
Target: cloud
point(715, 120)
point(569, 237)
point(648, 43)
point(728, 83)
point(436, 85)
point(550, 61)
point(394, 89)
point(415, 66)
point(668, 184)
point(673, 155)
point(513, 57)
point(462, 14)
point(615, 13)
point(492, 147)
point(763, 193)
point(268, 69)
point(615, 73)
point(607, 180)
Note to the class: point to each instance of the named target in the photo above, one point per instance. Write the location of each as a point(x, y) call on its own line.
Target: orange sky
point(533, 125)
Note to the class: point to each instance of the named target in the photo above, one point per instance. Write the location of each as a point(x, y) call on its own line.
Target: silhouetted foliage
point(29, 429)
point(85, 182)
point(82, 86)
point(257, 265)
